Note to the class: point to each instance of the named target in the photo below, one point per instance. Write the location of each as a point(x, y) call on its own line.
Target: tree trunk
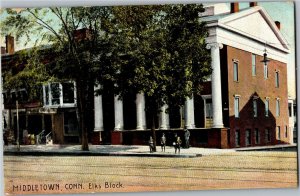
point(84, 135)
point(81, 103)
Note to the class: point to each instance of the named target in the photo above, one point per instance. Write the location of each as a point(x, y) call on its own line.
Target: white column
point(50, 93)
point(164, 118)
point(7, 118)
point(182, 116)
point(119, 121)
point(75, 93)
point(140, 110)
point(44, 95)
point(61, 98)
point(98, 111)
point(216, 84)
point(189, 113)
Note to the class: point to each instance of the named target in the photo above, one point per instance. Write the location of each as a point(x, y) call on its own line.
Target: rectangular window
point(286, 131)
point(70, 124)
point(235, 71)
point(68, 92)
point(267, 107)
point(255, 107)
point(47, 94)
point(257, 136)
point(277, 107)
point(278, 133)
point(277, 79)
point(267, 135)
point(208, 109)
point(13, 97)
point(236, 107)
point(266, 71)
point(55, 92)
point(237, 138)
point(253, 65)
point(248, 137)
point(290, 109)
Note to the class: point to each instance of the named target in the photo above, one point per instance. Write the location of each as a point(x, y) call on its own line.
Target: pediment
point(256, 24)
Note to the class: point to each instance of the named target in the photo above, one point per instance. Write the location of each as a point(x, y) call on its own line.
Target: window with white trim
point(267, 103)
point(208, 109)
point(235, 71)
point(257, 136)
point(46, 94)
point(254, 107)
point(68, 92)
point(59, 94)
point(277, 79)
point(278, 133)
point(277, 107)
point(253, 65)
point(236, 106)
point(55, 93)
point(266, 70)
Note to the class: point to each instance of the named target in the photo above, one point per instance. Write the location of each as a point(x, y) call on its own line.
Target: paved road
point(240, 170)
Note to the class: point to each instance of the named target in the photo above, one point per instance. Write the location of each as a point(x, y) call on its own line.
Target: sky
point(279, 11)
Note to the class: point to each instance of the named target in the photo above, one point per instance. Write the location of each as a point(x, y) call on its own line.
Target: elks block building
point(245, 102)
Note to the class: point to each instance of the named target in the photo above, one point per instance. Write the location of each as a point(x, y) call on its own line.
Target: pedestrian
point(163, 142)
point(187, 138)
point(151, 144)
point(177, 145)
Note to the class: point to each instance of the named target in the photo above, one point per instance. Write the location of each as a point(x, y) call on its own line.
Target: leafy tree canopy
point(158, 50)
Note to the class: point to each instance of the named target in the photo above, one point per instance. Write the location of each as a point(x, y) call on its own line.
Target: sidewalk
point(107, 150)
point(123, 150)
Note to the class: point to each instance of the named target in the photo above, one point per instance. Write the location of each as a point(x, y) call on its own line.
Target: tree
point(163, 55)
point(158, 50)
point(24, 68)
point(73, 55)
point(18, 73)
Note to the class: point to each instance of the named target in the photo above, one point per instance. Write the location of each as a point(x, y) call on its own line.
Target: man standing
point(151, 144)
point(163, 142)
point(177, 145)
point(187, 138)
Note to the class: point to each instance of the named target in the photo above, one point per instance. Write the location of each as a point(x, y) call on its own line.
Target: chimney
point(82, 34)
point(277, 24)
point(10, 44)
point(3, 50)
point(253, 4)
point(234, 7)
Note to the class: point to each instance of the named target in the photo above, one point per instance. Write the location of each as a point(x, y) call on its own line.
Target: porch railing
point(49, 138)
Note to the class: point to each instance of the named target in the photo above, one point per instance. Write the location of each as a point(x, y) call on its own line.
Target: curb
point(88, 153)
point(272, 148)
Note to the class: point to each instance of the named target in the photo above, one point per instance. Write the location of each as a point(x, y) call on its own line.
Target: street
point(234, 170)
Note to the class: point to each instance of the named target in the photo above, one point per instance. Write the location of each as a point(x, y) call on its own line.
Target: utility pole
point(18, 131)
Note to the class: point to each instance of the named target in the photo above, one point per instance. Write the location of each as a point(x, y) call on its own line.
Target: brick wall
point(248, 86)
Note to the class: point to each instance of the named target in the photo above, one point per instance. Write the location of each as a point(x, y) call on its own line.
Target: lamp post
point(265, 61)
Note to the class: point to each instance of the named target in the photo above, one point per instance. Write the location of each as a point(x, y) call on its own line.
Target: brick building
point(254, 93)
point(245, 102)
